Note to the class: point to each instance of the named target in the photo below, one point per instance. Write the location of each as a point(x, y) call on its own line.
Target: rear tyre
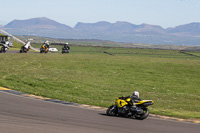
point(144, 115)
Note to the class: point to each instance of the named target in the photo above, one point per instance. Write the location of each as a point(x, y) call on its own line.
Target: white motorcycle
point(25, 48)
point(5, 47)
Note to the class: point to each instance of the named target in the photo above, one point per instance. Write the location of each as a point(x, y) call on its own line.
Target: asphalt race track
point(10, 51)
point(19, 114)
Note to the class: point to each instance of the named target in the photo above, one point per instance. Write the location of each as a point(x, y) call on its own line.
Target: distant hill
point(150, 29)
point(36, 23)
point(121, 31)
point(99, 26)
point(119, 27)
point(192, 29)
point(37, 27)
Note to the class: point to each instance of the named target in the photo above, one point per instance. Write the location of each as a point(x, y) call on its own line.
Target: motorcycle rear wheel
point(110, 111)
point(144, 115)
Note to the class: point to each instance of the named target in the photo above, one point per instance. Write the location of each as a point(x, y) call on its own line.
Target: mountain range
point(121, 31)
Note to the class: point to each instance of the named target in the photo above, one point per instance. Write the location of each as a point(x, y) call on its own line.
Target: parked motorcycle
point(25, 48)
point(124, 107)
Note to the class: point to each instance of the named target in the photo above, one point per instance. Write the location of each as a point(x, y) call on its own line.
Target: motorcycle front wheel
point(144, 115)
point(111, 111)
point(3, 50)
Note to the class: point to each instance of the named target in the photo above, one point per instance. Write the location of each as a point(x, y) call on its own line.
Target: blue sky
point(166, 13)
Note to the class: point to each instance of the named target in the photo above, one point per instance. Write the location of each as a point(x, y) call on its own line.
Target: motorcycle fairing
point(120, 103)
point(145, 101)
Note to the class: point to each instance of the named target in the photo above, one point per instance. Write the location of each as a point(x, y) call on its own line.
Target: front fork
point(115, 109)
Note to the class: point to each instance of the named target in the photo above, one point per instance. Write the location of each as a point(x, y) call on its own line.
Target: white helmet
point(47, 42)
point(136, 93)
point(66, 43)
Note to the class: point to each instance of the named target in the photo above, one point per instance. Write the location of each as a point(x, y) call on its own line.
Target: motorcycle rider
point(135, 98)
point(26, 47)
point(66, 46)
point(46, 44)
point(5, 46)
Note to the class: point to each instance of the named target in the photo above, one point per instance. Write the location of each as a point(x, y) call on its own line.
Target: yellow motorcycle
point(124, 107)
point(44, 49)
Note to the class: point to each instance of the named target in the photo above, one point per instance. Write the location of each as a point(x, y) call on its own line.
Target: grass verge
point(98, 78)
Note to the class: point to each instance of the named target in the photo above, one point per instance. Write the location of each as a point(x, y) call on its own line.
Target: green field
point(98, 75)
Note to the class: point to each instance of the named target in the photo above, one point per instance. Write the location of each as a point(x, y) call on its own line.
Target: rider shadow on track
point(119, 116)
